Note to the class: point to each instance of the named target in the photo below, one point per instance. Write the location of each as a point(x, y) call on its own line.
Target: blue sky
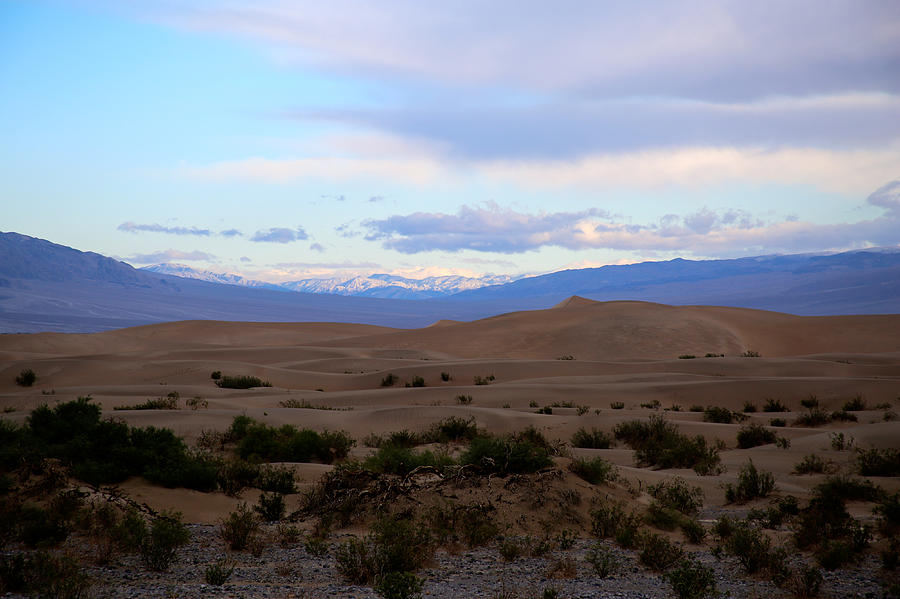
point(282, 140)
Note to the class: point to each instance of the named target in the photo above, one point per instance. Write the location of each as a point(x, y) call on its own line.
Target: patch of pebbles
point(481, 573)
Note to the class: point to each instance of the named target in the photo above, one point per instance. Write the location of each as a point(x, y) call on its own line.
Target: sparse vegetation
point(26, 378)
point(445, 376)
point(617, 405)
point(596, 471)
point(464, 400)
point(483, 380)
point(388, 380)
point(774, 405)
point(718, 415)
point(752, 483)
point(754, 435)
point(692, 580)
point(657, 442)
point(857, 404)
point(878, 462)
point(595, 439)
point(812, 464)
point(751, 354)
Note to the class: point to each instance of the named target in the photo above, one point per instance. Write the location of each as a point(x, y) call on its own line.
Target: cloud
point(688, 48)
point(245, 259)
point(335, 265)
point(336, 198)
point(849, 171)
point(230, 233)
point(169, 256)
point(317, 247)
point(887, 197)
point(279, 235)
point(374, 199)
point(490, 228)
point(131, 227)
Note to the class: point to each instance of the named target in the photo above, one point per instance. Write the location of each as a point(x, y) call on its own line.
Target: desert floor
point(580, 353)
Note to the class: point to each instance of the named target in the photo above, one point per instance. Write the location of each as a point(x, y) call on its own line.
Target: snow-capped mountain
point(374, 285)
point(186, 272)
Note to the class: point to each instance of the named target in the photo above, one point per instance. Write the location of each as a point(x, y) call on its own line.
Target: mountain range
point(373, 285)
point(50, 287)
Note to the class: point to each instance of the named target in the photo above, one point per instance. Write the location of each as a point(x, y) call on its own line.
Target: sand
point(621, 352)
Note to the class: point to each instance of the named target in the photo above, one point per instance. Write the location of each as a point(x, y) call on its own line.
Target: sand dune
point(620, 352)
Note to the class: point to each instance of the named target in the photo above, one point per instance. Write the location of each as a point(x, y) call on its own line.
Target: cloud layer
point(279, 235)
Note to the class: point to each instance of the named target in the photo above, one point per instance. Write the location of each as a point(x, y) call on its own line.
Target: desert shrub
point(316, 546)
point(651, 405)
point(753, 435)
point(752, 483)
point(241, 381)
point(392, 459)
point(290, 444)
point(417, 381)
point(676, 494)
point(782, 443)
point(890, 556)
point(544, 410)
point(841, 442)
point(857, 404)
point(658, 553)
point(686, 357)
point(602, 560)
point(692, 530)
point(354, 561)
point(812, 464)
point(778, 422)
point(810, 402)
point(718, 414)
point(596, 471)
point(751, 354)
point(835, 554)
point(505, 456)
point(452, 429)
point(878, 462)
point(276, 479)
point(749, 407)
point(39, 527)
point(661, 517)
point(888, 511)
point(692, 580)
point(388, 380)
point(712, 355)
point(445, 376)
point(510, 550)
point(813, 417)
point(483, 380)
point(751, 547)
point(658, 443)
point(617, 405)
point(160, 547)
point(43, 574)
point(239, 528)
point(807, 582)
point(218, 573)
point(287, 534)
point(169, 402)
point(843, 416)
point(595, 439)
point(562, 567)
point(216, 375)
point(196, 403)
point(848, 489)
point(774, 405)
point(398, 545)
point(236, 475)
point(696, 408)
point(270, 507)
point(399, 585)
point(26, 378)
point(464, 400)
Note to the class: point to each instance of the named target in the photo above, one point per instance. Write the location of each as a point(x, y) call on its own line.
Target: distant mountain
point(855, 282)
point(49, 287)
point(374, 285)
point(186, 272)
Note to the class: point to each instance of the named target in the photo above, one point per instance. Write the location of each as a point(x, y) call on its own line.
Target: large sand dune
point(621, 352)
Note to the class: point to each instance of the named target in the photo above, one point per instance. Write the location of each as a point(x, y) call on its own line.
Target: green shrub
point(216, 375)
point(810, 402)
point(676, 494)
point(270, 507)
point(241, 381)
point(751, 354)
point(774, 405)
point(857, 404)
point(752, 483)
point(848, 489)
point(878, 462)
point(602, 560)
point(290, 444)
point(888, 511)
point(813, 417)
point(841, 442)
point(392, 459)
point(753, 435)
point(617, 405)
point(686, 357)
point(483, 380)
point(26, 378)
point(778, 422)
point(316, 546)
point(218, 573)
point(658, 443)
point(399, 585)
point(835, 554)
point(751, 547)
point(595, 439)
point(658, 553)
point(452, 429)
point(236, 475)
point(43, 574)
point(464, 400)
point(662, 517)
point(239, 528)
point(445, 376)
point(843, 416)
point(276, 479)
point(388, 380)
point(749, 407)
point(692, 530)
point(807, 582)
point(504, 456)
point(596, 471)
point(160, 547)
point(544, 410)
point(355, 562)
point(718, 414)
point(812, 464)
point(510, 550)
point(417, 381)
point(692, 580)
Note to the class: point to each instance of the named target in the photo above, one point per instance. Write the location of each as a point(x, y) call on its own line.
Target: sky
point(287, 140)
